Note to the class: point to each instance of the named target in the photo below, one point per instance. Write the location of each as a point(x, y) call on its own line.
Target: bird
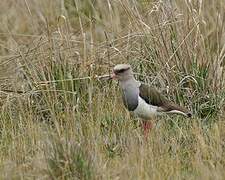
point(145, 101)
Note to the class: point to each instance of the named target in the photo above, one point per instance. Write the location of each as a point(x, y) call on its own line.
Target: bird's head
point(122, 72)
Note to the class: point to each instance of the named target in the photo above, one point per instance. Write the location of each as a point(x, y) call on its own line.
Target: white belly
point(145, 110)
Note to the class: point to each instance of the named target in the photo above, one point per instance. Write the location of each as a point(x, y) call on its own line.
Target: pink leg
point(146, 126)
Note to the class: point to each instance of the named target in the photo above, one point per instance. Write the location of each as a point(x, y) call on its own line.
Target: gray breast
point(130, 97)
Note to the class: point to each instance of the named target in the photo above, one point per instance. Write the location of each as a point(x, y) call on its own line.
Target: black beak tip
point(189, 114)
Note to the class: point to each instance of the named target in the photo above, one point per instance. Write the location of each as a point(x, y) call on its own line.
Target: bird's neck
point(132, 82)
point(130, 92)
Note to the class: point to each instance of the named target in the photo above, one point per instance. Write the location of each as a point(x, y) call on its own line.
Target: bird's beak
point(113, 76)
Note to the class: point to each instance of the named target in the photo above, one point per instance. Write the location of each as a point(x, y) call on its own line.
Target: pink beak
point(113, 76)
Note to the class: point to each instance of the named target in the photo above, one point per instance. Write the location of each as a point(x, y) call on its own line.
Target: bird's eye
point(120, 71)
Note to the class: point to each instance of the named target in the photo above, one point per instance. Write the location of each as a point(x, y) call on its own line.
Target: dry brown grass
point(58, 124)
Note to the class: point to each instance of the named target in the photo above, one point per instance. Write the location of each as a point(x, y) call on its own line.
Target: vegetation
point(58, 121)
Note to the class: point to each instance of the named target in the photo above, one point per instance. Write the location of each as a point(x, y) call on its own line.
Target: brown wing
point(153, 97)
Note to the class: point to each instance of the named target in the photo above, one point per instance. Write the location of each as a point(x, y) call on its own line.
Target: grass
point(57, 121)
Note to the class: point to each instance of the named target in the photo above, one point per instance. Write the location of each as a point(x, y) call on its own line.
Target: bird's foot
point(146, 126)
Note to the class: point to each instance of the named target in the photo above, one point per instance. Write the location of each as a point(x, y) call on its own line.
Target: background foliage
point(59, 122)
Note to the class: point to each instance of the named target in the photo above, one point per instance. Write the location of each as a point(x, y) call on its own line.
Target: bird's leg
point(146, 126)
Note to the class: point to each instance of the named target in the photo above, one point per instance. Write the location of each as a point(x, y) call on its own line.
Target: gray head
point(122, 72)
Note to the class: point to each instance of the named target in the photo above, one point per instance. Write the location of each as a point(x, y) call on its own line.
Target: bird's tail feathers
point(186, 114)
point(175, 109)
